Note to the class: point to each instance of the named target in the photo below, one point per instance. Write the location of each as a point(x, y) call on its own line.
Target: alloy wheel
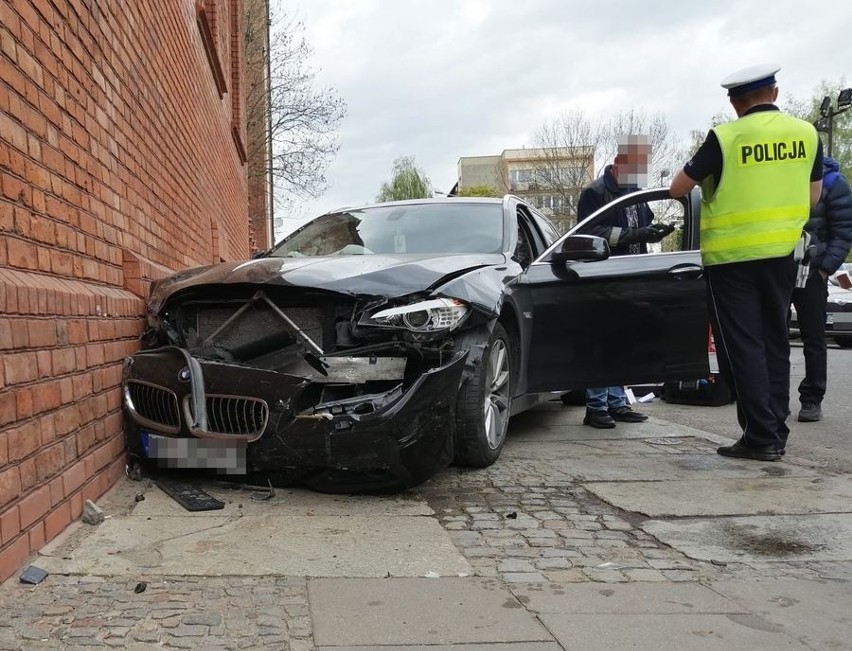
point(497, 397)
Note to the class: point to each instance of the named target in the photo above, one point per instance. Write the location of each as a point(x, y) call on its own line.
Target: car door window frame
point(691, 205)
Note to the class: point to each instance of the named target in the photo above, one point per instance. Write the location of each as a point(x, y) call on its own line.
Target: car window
point(446, 227)
point(669, 211)
point(665, 211)
point(524, 251)
point(548, 230)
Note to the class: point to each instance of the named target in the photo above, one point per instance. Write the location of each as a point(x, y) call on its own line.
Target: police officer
point(759, 176)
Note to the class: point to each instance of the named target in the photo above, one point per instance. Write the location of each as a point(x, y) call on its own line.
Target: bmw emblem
point(183, 374)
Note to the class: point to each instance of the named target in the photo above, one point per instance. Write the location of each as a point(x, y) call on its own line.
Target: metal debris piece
point(259, 496)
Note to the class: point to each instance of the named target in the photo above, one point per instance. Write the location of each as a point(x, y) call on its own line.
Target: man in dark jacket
point(628, 231)
point(830, 226)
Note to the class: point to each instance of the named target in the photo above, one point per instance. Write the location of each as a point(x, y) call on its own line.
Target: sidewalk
point(638, 537)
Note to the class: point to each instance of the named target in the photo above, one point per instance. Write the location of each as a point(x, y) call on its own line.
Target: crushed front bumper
point(391, 439)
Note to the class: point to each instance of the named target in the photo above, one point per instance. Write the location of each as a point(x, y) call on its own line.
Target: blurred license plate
point(224, 456)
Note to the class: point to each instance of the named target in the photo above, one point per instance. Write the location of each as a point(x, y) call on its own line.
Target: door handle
point(687, 272)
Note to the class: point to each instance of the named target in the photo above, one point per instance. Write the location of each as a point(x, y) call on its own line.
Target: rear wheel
point(484, 404)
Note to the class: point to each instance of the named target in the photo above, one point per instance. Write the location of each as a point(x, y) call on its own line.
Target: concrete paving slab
point(762, 539)
point(727, 496)
point(626, 599)
point(682, 632)
point(375, 613)
point(354, 546)
point(286, 502)
point(558, 427)
point(645, 462)
point(493, 646)
point(815, 612)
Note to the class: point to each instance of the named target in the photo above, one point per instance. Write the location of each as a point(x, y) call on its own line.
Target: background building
point(122, 158)
point(549, 178)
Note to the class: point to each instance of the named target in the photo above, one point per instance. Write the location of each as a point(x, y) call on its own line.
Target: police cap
point(749, 79)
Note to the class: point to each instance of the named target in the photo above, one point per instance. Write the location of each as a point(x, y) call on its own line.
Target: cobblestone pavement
point(171, 613)
point(524, 520)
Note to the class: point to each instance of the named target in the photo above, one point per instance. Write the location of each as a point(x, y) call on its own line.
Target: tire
point(843, 342)
point(485, 403)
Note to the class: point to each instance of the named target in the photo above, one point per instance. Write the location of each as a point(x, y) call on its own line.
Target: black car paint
point(568, 319)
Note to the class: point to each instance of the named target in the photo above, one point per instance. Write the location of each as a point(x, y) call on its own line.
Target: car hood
point(379, 275)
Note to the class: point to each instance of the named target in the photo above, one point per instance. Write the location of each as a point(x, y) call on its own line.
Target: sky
point(443, 79)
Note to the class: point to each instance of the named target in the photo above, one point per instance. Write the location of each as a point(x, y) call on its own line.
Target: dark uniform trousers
point(748, 303)
point(810, 302)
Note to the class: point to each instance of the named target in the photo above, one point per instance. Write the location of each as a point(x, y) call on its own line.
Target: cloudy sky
point(441, 79)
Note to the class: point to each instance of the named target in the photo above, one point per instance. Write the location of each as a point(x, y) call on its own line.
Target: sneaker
point(599, 419)
point(810, 412)
point(626, 415)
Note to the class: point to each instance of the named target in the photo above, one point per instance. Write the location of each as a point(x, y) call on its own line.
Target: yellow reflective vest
point(763, 198)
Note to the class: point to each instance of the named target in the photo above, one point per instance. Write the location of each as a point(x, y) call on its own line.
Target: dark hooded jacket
point(617, 230)
point(830, 223)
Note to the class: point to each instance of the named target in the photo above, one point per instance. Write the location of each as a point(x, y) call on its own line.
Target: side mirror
point(258, 254)
point(581, 247)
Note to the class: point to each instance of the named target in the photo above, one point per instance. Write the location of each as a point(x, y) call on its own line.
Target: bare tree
point(408, 182)
point(568, 145)
point(299, 119)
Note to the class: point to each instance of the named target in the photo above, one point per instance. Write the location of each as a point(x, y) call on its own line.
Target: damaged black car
point(376, 345)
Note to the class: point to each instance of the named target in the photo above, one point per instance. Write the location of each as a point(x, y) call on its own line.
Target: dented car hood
point(378, 275)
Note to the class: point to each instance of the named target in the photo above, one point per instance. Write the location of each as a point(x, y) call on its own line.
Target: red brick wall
point(119, 161)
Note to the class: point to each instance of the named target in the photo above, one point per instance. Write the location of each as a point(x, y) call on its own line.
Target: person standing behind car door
point(760, 174)
point(628, 231)
point(830, 226)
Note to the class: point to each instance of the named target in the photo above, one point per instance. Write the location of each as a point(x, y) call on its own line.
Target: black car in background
point(375, 345)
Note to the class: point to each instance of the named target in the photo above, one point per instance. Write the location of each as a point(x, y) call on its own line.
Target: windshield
point(418, 228)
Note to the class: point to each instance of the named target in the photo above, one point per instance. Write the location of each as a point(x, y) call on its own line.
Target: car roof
point(415, 202)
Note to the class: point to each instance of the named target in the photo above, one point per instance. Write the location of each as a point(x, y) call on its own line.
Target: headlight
point(425, 316)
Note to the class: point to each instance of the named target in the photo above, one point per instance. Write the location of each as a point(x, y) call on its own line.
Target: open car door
point(602, 320)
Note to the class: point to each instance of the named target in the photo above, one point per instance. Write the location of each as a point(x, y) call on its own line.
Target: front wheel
point(484, 404)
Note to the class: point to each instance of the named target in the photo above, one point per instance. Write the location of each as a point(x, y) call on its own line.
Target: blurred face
point(633, 162)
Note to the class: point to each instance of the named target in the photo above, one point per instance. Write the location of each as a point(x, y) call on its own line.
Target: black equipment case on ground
point(711, 391)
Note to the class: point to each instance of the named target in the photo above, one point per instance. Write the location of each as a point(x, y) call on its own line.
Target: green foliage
point(480, 191)
point(408, 182)
point(808, 109)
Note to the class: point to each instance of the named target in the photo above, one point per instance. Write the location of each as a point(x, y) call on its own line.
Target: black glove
point(654, 232)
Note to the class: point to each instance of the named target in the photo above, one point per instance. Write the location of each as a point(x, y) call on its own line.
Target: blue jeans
point(605, 398)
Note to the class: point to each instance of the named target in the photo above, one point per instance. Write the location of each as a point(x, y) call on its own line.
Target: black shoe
point(758, 453)
point(627, 415)
point(599, 419)
point(810, 412)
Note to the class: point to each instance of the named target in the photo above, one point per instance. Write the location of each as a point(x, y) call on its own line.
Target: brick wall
point(120, 159)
